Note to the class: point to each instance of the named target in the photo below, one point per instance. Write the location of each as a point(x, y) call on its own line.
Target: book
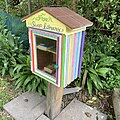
point(44, 47)
point(50, 69)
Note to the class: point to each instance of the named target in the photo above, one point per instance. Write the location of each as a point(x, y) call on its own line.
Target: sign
point(44, 21)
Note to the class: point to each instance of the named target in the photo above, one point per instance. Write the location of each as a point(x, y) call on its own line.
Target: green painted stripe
point(63, 57)
point(45, 78)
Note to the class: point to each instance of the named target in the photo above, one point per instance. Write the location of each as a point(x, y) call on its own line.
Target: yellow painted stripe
point(70, 59)
point(71, 56)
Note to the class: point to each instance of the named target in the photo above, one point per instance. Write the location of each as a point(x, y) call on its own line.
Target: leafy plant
point(16, 27)
point(26, 79)
point(104, 14)
point(102, 47)
point(10, 51)
point(15, 61)
point(101, 60)
point(103, 71)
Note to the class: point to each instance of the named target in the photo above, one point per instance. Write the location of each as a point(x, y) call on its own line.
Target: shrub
point(104, 14)
point(10, 51)
point(26, 79)
point(15, 61)
point(101, 60)
point(16, 27)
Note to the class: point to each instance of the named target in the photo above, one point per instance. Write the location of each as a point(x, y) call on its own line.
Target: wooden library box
point(56, 37)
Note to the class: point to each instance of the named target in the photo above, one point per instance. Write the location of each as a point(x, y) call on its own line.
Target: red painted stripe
point(32, 52)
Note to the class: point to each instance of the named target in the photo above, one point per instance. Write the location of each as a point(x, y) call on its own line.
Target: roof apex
point(64, 15)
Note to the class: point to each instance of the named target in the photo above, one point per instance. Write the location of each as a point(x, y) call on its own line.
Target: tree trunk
point(74, 3)
point(6, 4)
point(29, 7)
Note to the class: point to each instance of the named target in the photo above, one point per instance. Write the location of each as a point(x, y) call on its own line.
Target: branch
point(84, 78)
point(6, 4)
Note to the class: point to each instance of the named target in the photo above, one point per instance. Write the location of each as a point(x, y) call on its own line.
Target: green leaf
point(5, 64)
point(89, 86)
point(11, 39)
point(100, 83)
point(93, 71)
point(28, 87)
point(3, 71)
point(19, 67)
point(17, 76)
point(40, 90)
point(19, 84)
point(95, 79)
point(27, 81)
point(117, 65)
point(11, 72)
point(21, 78)
point(34, 85)
point(102, 71)
point(106, 61)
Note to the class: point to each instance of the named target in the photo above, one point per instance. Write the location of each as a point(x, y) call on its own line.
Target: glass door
point(46, 55)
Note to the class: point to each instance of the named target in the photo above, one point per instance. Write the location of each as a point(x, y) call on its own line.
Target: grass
point(7, 93)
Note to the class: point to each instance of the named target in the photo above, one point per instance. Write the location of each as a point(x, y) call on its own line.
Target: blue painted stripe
point(78, 53)
point(67, 58)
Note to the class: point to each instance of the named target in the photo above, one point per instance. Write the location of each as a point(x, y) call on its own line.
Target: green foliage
point(101, 59)
point(102, 46)
point(26, 79)
point(104, 14)
point(14, 60)
point(102, 62)
point(16, 27)
point(10, 52)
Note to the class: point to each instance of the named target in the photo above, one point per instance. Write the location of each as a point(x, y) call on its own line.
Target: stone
point(27, 106)
point(77, 110)
point(116, 102)
point(71, 90)
point(43, 117)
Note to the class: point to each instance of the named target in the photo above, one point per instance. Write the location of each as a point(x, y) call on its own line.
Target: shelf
point(52, 50)
point(44, 48)
point(49, 49)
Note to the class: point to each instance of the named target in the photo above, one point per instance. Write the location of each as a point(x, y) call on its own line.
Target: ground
point(7, 93)
point(102, 101)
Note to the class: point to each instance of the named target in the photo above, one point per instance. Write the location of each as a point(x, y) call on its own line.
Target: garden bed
point(102, 101)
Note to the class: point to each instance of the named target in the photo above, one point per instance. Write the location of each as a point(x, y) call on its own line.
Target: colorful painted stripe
point(59, 58)
point(78, 53)
point(32, 48)
point(56, 37)
point(74, 56)
point(70, 60)
point(81, 53)
point(66, 60)
point(69, 50)
point(63, 59)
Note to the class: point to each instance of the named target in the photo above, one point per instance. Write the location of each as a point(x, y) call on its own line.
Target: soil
point(102, 101)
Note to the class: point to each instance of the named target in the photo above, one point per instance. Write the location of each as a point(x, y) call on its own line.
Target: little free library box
point(56, 37)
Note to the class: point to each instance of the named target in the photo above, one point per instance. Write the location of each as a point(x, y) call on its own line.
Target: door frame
point(33, 52)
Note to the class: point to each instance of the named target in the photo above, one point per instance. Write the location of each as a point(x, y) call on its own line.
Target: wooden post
point(54, 100)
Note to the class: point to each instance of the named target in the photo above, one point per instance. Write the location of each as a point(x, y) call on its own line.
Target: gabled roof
point(66, 16)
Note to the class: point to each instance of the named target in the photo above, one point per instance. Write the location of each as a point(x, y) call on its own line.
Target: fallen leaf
point(88, 114)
